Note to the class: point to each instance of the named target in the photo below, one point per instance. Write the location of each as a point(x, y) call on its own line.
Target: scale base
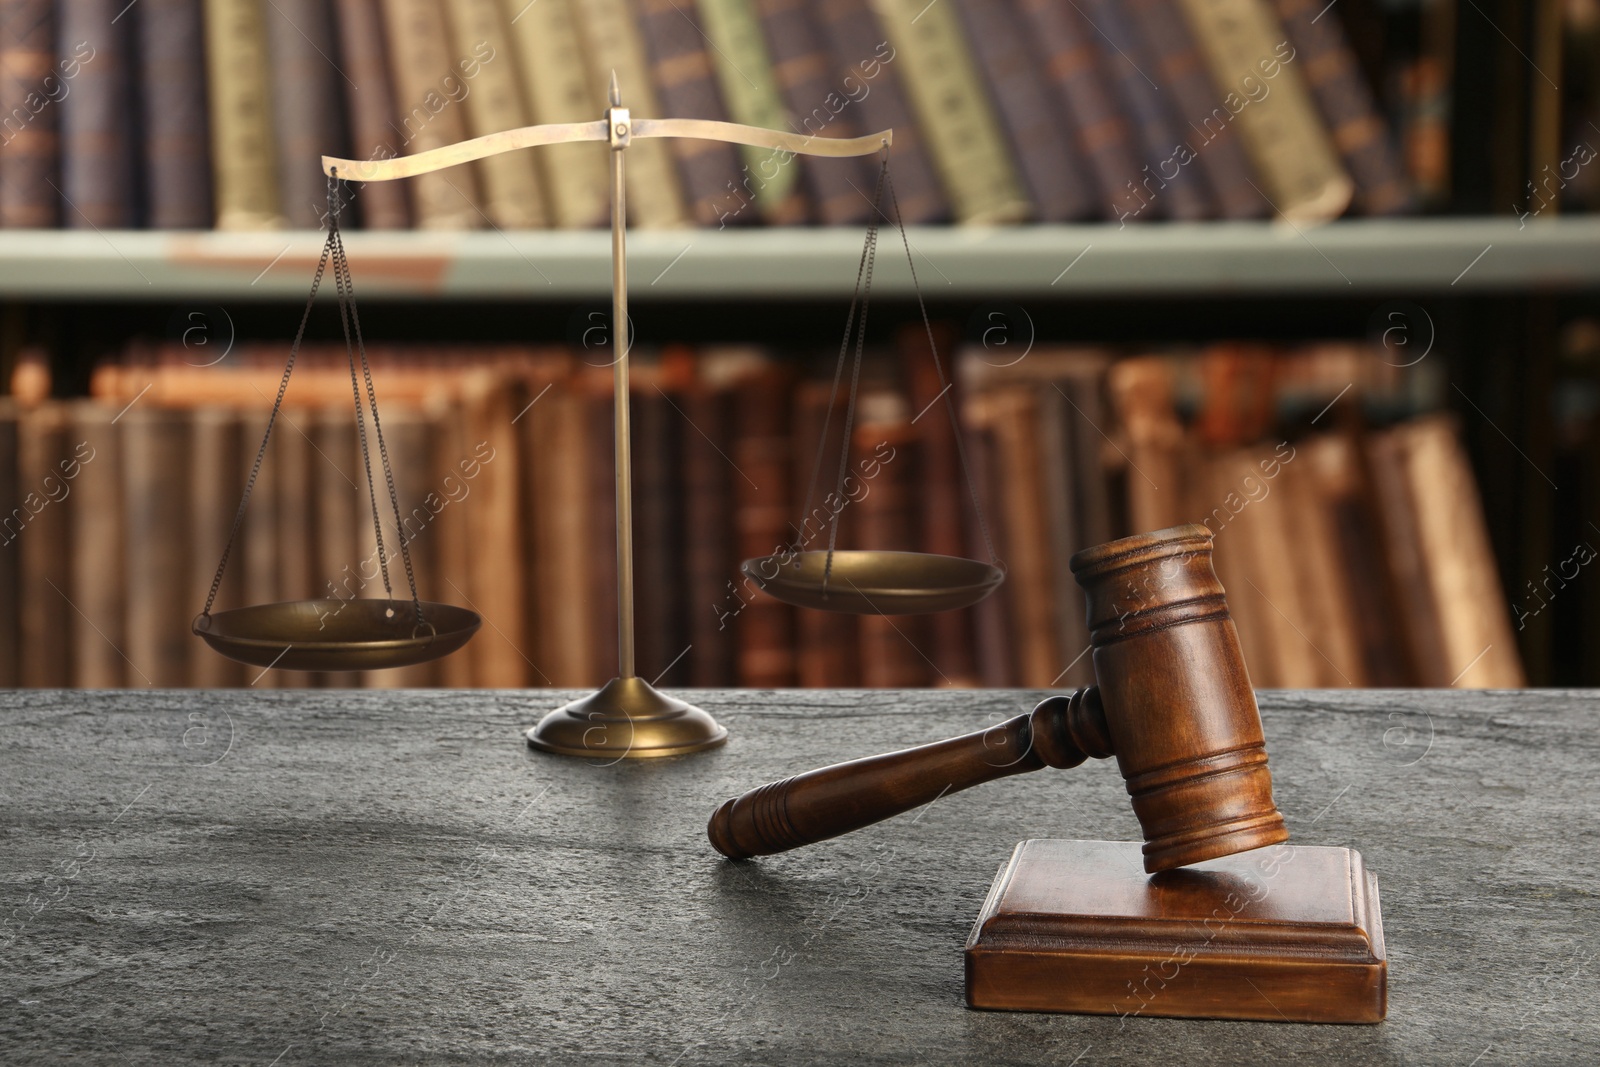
point(1281, 934)
point(627, 719)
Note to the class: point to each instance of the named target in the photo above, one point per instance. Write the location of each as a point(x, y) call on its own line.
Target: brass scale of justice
point(372, 634)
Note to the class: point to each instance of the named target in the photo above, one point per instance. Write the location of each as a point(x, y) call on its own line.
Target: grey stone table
point(358, 877)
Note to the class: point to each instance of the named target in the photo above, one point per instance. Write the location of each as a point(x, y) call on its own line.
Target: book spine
point(1345, 101)
point(964, 136)
point(96, 550)
point(216, 478)
point(658, 557)
point(243, 154)
point(45, 580)
point(1257, 70)
point(370, 104)
point(257, 550)
point(412, 436)
point(1059, 472)
point(687, 88)
point(98, 184)
point(611, 34)
point(1034, 621)
point(1129, 69)
point(874, 86)
point(996, 647)
point(743, 67)
point(556, 84)
point(31, 91)
point(13, 520)
point(827, 643)
point(511, 194)
point(1066, 50)
point(1047, 161)
point(893, 654)
point(306, 123)
point(156, 452)
point(599, 503)
point(765, 627)
point(431, 87)
point(566, 550)
point(172, 91)
point(454, 546)
point(945, 497)
point(815, 105)
point(489, 463)
point(1204, 141)
point(713, 602)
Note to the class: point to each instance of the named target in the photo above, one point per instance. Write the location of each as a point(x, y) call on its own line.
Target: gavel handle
point(1062, 731)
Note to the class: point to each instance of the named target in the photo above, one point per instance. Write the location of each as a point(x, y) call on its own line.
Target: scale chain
point(333, 253)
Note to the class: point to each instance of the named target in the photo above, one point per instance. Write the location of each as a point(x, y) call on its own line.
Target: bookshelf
point(1446, 256)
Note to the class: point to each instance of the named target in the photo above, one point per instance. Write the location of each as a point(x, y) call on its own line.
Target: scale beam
point(382, 170)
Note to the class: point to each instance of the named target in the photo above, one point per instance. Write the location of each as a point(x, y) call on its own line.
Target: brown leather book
point(841, 189)
point(1345, 100)
point(451, 532)
point(176, 149)
point(873, 85)
point(1212, 146)
point(31, 91)
point(216, 478)
point(1451, 571)
point(335, 562)
point(1314, 493)
point(254, 567)
point(945, 497)
point(1034, 622)
point(501, 657)
point(1059, 468)
point(370, 105)
point(14, 518)
point(96, 550)
point(294, 488)
point(715, 590)
point(1130, 69)
point(599, 503)
point(306, 118)
point(895, 650)
point(764, 628)
point(157, 452)
point(660, 641)
point(995, 649)
point(686, 87)
point(1048, 160)
point(1212, 478)
point(430, 86)
point(98, 184)
point(559, 448)
point(1063, 45)
point(44, 588)
point(1141, 389)
point(827, 643)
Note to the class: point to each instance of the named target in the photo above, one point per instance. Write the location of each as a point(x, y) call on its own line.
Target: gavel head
point(1178, 705)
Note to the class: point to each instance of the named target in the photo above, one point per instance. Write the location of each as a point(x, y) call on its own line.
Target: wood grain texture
point(378, 877)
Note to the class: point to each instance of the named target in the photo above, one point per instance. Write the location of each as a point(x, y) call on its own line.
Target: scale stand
point(627, 717)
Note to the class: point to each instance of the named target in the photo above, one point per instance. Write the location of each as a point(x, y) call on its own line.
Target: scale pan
point(876, 583)
point(337, 635)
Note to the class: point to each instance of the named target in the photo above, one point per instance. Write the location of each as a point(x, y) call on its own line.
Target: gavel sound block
point(1224, 920)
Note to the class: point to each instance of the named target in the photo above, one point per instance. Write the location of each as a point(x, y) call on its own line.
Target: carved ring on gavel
point(1173, 704)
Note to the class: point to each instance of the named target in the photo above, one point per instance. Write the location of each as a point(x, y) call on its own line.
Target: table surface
point(324, 876)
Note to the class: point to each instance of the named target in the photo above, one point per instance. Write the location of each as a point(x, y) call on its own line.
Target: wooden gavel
point(1174, 705)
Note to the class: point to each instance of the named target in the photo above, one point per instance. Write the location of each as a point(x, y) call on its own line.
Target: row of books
point(1352, 556)
point(178, 114)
